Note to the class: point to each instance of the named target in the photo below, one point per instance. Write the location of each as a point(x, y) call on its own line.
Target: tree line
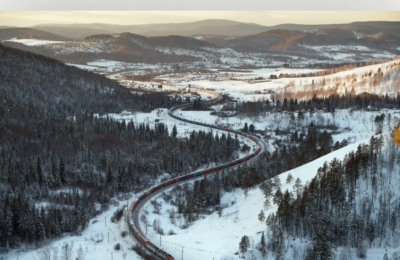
point(348, 203)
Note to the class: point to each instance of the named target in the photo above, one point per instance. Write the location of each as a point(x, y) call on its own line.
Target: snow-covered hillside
point(33, 42)
point(363, 79)
point(215, 236)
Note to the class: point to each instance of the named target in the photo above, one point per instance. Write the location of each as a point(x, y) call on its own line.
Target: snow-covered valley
point(216, 231)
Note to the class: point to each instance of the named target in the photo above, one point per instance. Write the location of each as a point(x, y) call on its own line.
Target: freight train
point(134, 229)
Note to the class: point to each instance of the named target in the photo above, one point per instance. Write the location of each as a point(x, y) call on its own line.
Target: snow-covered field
point(97, 241)
point(33, 42)
point(214, 236)
point(217, 236)
point(348, 53)
point(353, 126)
point(255, 84)
point(239, 88)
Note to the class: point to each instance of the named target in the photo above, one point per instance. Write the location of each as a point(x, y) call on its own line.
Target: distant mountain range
point(216, 27)
point(191, 41)
point(126, 47)
point(294, 40)
point(28, 33)
point(205, 27)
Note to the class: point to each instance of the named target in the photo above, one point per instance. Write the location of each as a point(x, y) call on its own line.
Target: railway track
point(135, 207)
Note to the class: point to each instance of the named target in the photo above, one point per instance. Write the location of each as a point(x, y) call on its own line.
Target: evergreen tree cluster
point(304, 147)
point(94, 159)
point(330, 103)
point(58, 159)
point(328, 209)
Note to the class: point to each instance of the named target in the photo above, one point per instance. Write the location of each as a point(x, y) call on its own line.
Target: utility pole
point(182, 252)
point(108, 234)
point(160, 239)
point(105, 223)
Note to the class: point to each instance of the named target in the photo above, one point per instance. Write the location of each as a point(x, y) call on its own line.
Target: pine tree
point(262, 242)
point(174, 132)
point(246, 128)
point(267, 204)
point(251, 128)
point(297, 187)
point(322, 248)
point(8, 223)
point(109, 177)
point(39, 171)
point(39, 228)
point(62, 171)
point(276, 242)
point(277, 197)
point(370, 233)
point(55, 175)
point(244, 244)
point(277, 182)
point(266, 188)
point(261, 216)
point(289, 178)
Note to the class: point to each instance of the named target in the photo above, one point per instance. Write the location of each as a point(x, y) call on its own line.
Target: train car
point(140, 237)
point(142, 196)
point(156, 188)
point(166, 183)
point(196, 173)
point(184, 177)
point(217, 168)
point(231, 163)
point(169, 257)
point(205, 171)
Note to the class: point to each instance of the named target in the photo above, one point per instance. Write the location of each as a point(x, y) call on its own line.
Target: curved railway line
point(134, 208)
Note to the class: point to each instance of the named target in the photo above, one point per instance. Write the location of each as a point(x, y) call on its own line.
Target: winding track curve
point(135, 207)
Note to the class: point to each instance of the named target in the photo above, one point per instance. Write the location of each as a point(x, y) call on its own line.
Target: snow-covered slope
point(33, 42)
point(219, 237)
point(240, 88)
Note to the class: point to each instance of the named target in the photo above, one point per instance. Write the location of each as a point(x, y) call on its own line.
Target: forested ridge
point(60, 165)
point(352, 203)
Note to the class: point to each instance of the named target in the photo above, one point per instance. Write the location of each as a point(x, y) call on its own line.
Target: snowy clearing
point(33, 42)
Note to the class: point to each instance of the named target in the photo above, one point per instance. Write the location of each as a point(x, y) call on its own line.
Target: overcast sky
point(30, 18)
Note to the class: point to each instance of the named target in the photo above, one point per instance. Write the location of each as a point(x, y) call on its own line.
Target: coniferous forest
point(54, 150)
point(351, 203)
point(63, 161)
